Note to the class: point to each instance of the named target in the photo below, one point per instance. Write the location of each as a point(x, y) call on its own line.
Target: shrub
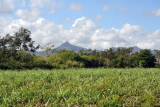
point(142, 64)
point(89, 61)
point(74, 64)
point(41, 63)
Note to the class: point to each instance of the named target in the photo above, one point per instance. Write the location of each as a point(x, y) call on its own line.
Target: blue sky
point(93, 24)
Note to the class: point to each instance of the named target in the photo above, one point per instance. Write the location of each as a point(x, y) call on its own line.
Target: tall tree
point(23, 41)
point(145, 58)
point(20, 41)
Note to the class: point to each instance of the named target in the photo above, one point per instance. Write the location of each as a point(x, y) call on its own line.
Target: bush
point(39, 62)
point(157, 65)
point(119, 62)
point(74, 64)
point(142, 64)
point(11, 63)
point(67, 59)
point(89, 61)
point(145, 59)
point(69, 55)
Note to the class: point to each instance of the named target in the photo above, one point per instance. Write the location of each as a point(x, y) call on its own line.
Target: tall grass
point(80, 87)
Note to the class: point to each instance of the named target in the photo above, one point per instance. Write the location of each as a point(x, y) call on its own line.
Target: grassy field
point(80, 87)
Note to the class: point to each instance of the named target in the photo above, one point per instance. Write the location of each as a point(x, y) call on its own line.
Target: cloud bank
point(83, 32)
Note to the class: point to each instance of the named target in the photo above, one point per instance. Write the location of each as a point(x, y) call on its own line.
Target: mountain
point(69, 46)
point(135, 49)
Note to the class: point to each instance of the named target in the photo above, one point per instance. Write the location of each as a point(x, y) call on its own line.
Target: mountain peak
point(68, 46)
point(66, 42)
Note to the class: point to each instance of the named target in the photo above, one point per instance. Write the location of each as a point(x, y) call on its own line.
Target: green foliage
point(157, 65)
point(20, 41)
point(19, 61)
point(66, 59)
point(89, 61)
point(142, 64)
point(119, 62)
point(65, 56)
point(145, 59)
point(80, 87)
point(15, 50)
point(74, 64)
point(39, 62)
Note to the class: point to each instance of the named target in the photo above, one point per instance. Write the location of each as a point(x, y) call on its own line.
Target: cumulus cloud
point(83, 32)
point(76, 7)
point(149, 40)
point(128, 29)
point(104, 39)
point(42, 30)
point(98, 17)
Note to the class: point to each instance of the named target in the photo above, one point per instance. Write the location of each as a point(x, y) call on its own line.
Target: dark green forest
point(17, 52)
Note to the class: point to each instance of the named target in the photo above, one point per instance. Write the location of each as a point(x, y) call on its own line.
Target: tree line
point(17, 52)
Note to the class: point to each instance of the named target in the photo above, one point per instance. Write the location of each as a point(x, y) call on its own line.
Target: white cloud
point(84, 32)
point(103, 39)
point(28, 16)
point(155, 12)
point(75, 7)
point(106, 7)
point(98, 17)
point(128, 29)
point(149, 40)
point(42, 30)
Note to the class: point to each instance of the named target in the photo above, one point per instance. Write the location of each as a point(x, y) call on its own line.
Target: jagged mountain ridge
point(69, 46)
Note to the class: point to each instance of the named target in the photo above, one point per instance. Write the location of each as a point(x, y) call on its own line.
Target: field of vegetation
point(80, 87)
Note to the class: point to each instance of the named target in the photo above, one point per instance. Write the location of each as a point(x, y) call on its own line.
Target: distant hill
point(135, 49)
point(69, 46)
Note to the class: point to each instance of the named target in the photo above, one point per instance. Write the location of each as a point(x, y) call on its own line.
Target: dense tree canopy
point(145, 58)
point(20, 41)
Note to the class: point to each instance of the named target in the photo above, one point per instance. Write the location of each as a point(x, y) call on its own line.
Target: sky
point(95, 24)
